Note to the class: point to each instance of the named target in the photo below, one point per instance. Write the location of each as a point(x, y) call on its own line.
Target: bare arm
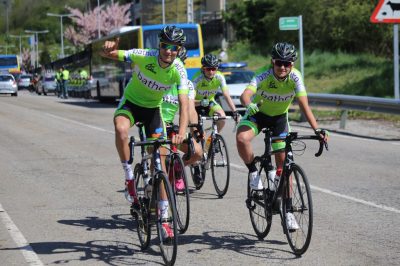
point(305, 108)
point(245, 98)
point(229, 100)
point(183, 118)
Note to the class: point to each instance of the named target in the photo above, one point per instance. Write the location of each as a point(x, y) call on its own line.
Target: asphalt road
point(61, 199)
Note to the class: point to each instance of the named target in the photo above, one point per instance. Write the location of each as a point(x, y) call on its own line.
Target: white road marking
point(30, 256)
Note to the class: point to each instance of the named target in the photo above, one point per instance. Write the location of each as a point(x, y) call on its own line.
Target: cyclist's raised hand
point(110, 46)
point(252, 109)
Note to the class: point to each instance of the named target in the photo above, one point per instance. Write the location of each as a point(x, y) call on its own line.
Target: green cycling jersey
point(206, 88)
point(276, 95)
point(170, 104)
point(149, 80)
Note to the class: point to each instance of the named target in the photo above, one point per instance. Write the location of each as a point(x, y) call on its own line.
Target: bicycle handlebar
point(292, 136)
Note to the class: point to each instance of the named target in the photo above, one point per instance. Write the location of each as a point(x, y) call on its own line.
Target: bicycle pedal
point(249, 205)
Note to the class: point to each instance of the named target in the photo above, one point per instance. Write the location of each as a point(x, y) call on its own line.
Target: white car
point(237, 81)
point(8, 85)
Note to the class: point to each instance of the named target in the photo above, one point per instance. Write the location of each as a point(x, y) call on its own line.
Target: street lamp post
point(98, 19)
point(61, 31)
point(37, 43)
point(20, 44)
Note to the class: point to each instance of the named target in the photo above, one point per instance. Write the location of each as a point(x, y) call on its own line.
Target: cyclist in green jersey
point(267, 98)
point(207, 83)
point(155, 71)
point(170, 107)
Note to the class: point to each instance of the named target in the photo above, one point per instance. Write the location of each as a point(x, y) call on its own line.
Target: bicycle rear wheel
point(260, 215)
point(167, 236)
point(220, 168)
point(179, 184)
point(298, 192)
point(142, 217)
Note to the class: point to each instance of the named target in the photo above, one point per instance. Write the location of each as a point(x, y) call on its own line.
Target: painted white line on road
point(380, 206)
point(327, 191)
point(30, 256)
point(81, 124)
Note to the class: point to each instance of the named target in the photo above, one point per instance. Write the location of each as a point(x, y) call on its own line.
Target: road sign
point(387, 11)
point(289, 23)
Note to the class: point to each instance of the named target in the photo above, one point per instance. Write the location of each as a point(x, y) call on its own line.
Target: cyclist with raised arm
point(155, 72)
point(170, 107)
point(267, 99)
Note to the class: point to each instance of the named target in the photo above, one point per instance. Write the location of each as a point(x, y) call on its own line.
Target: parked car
point(48, 84)
point(237, 78)
point(8, 85)
point(25, 82)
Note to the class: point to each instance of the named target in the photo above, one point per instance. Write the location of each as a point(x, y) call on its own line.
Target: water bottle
point(207, 146)
point(272, 179)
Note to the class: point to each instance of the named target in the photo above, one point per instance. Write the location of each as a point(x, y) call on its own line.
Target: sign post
point(294, 23)
point(388, 12)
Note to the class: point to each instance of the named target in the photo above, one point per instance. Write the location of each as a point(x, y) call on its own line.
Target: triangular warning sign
point(387, 11)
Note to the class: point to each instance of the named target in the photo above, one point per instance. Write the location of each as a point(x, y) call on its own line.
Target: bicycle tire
point(142, 220)
point(168, 246)
point(182, 197)
point(260, 215)
point(220, 166)
point(299, 240)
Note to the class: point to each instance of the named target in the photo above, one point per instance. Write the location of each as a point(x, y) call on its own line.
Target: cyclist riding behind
point(170, 107)
point(155, 71)
point(267, 98)
point(207, 83)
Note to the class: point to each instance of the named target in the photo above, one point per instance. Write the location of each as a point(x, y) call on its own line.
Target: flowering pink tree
point(86, 24)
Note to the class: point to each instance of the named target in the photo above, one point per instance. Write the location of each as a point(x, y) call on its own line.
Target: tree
point(86, 24)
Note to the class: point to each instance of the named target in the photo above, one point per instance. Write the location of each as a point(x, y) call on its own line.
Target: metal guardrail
point(351, 102)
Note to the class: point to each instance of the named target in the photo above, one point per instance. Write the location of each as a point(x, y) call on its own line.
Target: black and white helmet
point(210, 60)
point(182, 54)
point(172, 34)
point(284, 51)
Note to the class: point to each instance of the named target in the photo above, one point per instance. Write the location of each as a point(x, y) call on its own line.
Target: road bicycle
point(149, 188)
point(288, 194)
point(177, 174)
point(215, 156)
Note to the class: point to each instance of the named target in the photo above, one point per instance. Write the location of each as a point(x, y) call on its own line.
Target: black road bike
point(290, 194)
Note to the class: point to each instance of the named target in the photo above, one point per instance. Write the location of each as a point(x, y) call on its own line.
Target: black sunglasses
point(280, 63)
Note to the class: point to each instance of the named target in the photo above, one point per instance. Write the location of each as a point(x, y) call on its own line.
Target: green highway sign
point(289, 23)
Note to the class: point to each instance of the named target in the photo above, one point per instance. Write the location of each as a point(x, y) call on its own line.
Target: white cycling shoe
point(291, 222)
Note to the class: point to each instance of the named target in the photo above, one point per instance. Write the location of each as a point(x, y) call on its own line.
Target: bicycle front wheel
point(166, 223)
point(180, 189)
point(142, 218)
point(260, 215)
point(298, 201)
point(220, 168)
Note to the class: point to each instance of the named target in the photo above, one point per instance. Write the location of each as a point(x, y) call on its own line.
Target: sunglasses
point(280, 63)
point(210, 68)
point(168, 46)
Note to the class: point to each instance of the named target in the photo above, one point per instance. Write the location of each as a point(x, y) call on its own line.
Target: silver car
point(25, 82)
point(48, 84)
point(8, 85)
point(237, 81)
